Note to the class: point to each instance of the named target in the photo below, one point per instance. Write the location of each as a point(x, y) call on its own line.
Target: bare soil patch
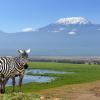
point(86, 91)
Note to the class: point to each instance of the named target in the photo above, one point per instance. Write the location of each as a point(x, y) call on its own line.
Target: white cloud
point(72, 33)
point(28, 29)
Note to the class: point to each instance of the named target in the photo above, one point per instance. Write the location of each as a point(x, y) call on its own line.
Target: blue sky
point(16, 15)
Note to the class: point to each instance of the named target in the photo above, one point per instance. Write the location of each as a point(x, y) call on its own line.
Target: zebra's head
point(23, 55)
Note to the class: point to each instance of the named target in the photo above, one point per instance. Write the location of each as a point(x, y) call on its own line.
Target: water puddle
point(42, 71)
point(29, 78)
point(40, 79)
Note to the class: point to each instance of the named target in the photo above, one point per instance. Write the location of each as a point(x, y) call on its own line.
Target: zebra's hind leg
point(2, 88)
point(13, 83)
point(20, 83)
point(2, 85)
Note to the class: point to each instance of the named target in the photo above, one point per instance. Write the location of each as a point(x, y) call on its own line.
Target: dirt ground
point(86, 91)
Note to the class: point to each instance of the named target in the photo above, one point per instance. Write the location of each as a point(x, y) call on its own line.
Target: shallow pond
point(29, 78)
point(40, 79)
point(43, 71)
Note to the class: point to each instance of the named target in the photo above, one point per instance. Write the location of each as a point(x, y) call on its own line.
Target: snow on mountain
point(68, 36)
point(73, 20)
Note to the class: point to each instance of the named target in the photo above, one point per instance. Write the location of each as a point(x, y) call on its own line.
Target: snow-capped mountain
point(69, 24)
point(73, 20)
point(66, 36)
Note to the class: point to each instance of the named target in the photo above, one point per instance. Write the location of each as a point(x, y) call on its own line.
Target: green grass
point(19, 96)
point(83, 73)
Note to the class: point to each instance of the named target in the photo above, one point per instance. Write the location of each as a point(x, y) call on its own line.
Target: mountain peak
point(73, 20)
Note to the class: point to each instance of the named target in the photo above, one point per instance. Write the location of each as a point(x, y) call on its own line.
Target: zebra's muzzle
point(26, 66)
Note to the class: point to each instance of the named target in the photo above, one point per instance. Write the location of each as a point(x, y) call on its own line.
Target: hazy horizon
point(50, 27)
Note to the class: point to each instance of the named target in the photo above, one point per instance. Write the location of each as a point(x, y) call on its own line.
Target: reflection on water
point(28, 78)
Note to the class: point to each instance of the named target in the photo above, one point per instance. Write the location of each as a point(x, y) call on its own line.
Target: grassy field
point(83, 73)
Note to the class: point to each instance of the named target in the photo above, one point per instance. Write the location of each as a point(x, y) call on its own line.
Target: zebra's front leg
point(3, 84)
point(13, 83)
point(20, 83)
point(1, 87)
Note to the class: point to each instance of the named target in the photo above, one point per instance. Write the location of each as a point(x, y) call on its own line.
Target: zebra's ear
point(20, 51)
point(27, 51)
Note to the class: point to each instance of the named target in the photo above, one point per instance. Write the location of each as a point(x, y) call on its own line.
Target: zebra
point(1, 81)
point(11, 67)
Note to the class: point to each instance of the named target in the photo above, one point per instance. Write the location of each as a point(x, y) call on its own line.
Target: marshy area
point(42, 78)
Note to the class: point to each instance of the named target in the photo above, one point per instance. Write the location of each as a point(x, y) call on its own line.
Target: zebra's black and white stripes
point(10, 67)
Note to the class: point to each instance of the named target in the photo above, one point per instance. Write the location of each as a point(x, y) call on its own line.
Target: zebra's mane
point(17, 59)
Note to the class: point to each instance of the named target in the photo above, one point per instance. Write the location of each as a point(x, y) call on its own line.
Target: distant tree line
point(90, 62)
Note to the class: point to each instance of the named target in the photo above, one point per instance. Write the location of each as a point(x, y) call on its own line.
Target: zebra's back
point(6, 66)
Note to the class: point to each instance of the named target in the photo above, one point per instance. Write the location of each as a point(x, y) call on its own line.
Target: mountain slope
point(80, 38)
